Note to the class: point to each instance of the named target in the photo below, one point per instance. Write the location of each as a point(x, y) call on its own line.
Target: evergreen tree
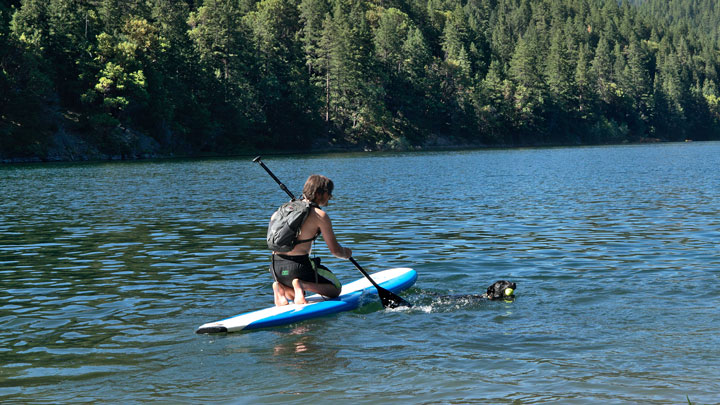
point(223, 43)
point(558, 70)
point(502, 42)
point(602, 71)
point(324, 62)
point(416, 105)
point(417, 55)
point(559, 76)
point(73, 29)
point(638, 85)
point(390, 35)
point(312, 17)
point(25, 118)
point(584, 93)
point(494, 106)
point(455, 34)
point(529, 85)
point(355, 95)
point(282, 78)
point(179, 106)
point(673, 91)
point(31, 25)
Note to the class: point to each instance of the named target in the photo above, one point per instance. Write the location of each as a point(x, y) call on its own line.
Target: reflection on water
point(107, 269)
point(301, 345)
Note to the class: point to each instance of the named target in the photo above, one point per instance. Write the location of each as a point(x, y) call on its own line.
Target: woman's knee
point(331, 291)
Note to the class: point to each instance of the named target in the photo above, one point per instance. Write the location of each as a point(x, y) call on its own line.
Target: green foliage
point(26, 85)
point(288, 103)
point(218, 76)
point(120, 89)
point(222, 41)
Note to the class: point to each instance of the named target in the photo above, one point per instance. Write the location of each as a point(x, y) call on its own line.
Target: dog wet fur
point(496, 291)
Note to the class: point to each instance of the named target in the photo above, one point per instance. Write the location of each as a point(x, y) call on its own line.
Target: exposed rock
point(67, 146)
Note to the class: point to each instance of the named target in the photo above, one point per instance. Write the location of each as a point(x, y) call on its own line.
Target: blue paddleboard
point(395, 280)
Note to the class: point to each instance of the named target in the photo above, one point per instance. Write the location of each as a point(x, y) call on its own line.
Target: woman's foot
point(280, 299)
point(299, 293)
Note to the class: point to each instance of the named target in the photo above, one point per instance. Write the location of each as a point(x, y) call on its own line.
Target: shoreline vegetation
point(87, 153)
point(141, 79)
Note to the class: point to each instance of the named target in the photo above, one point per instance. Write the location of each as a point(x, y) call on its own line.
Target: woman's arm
point(329, 236)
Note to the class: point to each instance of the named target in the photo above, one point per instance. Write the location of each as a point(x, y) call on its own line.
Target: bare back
point(316, 222)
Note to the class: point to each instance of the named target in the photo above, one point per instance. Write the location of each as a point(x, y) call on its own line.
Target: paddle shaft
point(282, 186)
point(365, 273)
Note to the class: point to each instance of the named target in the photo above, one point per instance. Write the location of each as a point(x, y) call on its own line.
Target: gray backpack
point(285, 223)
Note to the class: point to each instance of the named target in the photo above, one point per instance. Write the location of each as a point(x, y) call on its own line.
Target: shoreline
point(89, 154)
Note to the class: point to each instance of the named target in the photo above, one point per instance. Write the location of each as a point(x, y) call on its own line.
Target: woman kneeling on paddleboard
point(294, 271)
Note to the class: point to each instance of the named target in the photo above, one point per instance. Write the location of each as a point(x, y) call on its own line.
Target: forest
point(83, 79)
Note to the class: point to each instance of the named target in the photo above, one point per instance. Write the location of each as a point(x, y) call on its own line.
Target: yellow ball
point(509, 291)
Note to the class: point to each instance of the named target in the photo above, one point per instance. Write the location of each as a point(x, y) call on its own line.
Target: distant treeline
point(223, 76)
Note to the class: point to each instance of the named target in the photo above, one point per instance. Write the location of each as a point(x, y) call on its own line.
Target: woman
point(294, 271)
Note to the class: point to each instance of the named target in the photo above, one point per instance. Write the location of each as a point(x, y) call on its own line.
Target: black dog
point(497, 291)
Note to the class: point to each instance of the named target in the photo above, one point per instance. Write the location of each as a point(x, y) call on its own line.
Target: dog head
point(499, 289)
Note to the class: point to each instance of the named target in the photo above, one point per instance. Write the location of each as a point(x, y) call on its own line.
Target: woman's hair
point(317, 185)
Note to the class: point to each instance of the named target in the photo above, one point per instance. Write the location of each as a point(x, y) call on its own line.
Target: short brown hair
point(317, 185)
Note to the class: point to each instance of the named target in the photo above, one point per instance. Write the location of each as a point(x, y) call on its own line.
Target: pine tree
point(455, 34)
point(559, 76)
point(529, 84)
point(326, 50)
point(223, 43)
point(312, 16)
point(73, 30)
point(638, 84)
point(673, 90)
point(391, 33)
point(179, 102)
point(25, 81)
point(415, 105)
point(30, 23)
point(584, 94)
point(494, 106)
point(558, 70)
point(602, 71)
point(416, 55)
point(354, 92)
point(502, 41)
point(282, 77)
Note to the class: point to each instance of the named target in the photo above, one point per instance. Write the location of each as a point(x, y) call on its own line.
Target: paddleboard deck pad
point(395, 280)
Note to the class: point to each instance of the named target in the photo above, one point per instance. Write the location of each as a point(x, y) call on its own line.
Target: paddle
point(282, 186)
point(388, 298)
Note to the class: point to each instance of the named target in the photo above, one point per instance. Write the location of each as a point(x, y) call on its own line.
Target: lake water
point(108, 269)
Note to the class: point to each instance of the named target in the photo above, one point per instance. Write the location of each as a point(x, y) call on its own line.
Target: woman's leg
point(283, 293)
point(324, 289)
point(328, 284)
point(279, 291)
point(299, 286)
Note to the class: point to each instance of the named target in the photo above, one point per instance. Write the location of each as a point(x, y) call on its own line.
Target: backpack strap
point(299, 241)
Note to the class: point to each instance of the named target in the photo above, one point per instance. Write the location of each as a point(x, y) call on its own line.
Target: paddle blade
point(392, 300)
point(388, 298)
